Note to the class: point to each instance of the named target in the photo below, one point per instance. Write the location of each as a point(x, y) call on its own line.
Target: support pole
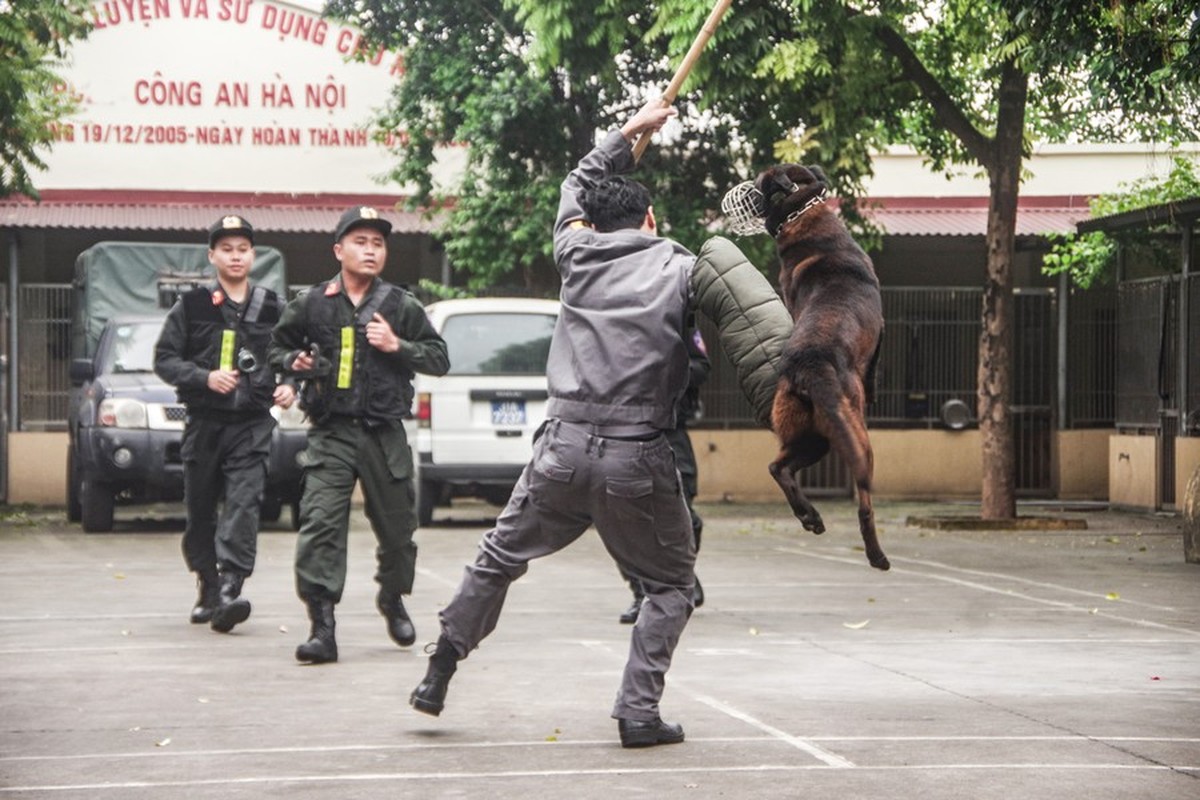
point(1185, 357)
point(14, 365)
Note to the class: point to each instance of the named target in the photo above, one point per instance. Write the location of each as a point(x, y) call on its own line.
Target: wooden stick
point(689, 61)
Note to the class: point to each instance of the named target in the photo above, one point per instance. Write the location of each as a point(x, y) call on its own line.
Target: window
point(498, 344)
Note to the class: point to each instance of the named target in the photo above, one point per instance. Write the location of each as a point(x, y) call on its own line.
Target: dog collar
point(816, 199)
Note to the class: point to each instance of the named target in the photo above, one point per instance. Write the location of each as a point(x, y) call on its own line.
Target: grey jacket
point(618, 356)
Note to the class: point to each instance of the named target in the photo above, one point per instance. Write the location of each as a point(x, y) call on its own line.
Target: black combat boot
point(233, 608)
point(630, 615)
point(321, 648)
point(399, 626)
point(208, 583)
point(430, 695)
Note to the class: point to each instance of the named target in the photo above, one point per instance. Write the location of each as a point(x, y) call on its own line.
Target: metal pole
point(14, 365)
point(1064, 288)
point(1185, 357)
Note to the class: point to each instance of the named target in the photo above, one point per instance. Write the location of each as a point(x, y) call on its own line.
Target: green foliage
point(1091, 257)
point(528, 83)
point(34, 38)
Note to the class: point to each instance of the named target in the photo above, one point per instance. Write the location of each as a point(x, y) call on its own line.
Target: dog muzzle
point(744, 207)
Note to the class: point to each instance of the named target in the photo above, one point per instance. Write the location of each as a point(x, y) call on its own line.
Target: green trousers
point(340, 452)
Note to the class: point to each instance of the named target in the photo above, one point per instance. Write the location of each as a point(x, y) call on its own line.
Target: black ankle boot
point(321, 648)
point(399, 625)
point(208, 584)
point(430, 695)
point(630, 615)
point(233, 608)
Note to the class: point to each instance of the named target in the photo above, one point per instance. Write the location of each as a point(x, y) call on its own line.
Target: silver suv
point(473, 427)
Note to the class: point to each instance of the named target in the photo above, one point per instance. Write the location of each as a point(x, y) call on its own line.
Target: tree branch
point(944, 107)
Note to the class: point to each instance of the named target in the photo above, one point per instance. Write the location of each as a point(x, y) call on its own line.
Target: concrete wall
point(1080, 464)
point(1187, 460)
point(37, 468)
point(911, 464)
point(1133, 471)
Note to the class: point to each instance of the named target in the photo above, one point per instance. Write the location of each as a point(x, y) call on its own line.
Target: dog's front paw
point(813, 522)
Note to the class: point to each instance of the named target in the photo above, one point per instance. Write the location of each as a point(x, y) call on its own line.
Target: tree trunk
point(998, 499)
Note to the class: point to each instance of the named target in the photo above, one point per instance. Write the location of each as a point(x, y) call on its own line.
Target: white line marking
point(622, 771)
point(813, 750)
point(983, 587)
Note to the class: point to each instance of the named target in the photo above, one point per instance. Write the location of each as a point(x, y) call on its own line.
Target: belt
point(639, 432)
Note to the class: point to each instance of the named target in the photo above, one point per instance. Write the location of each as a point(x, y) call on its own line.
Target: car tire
point(74, 507)
point(96, 503)
point(427, 495)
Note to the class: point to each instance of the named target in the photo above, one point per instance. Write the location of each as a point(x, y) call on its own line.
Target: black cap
point(361, 217)
point(230, 225)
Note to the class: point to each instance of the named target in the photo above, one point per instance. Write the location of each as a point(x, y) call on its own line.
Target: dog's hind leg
point(799, 447)
point(848, 434)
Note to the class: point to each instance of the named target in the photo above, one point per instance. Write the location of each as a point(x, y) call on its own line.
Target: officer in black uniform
point(687, 410)
point(357, 341)
point(213, 349)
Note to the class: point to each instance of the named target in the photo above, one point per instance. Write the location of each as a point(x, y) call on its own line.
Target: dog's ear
point(818, 173)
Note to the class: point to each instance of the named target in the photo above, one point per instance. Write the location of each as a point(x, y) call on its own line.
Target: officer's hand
point(223, 381)
point(285, 395)
point(304, 362)
point(380, 334)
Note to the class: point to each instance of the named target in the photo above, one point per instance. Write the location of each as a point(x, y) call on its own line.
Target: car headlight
point(123, 412)
point(292, 418)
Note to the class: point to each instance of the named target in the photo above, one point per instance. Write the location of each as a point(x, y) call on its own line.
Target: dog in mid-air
point(827, 371)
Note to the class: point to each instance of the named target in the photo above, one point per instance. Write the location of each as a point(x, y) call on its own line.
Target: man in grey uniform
point(618, 363)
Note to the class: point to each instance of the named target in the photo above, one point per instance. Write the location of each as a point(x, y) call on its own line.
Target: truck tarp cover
point(122, 278)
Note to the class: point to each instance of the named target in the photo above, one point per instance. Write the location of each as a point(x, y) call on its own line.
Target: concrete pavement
point(1013, 664)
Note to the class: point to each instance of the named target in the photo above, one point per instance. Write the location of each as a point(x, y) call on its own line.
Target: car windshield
point(498, 344)
point(132, 347)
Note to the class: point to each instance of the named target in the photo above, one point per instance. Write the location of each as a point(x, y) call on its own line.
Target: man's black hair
point(615, 203)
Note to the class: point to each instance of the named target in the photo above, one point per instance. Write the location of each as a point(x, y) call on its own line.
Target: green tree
point(966, 82)
point(34, 37)
point(1091, 257)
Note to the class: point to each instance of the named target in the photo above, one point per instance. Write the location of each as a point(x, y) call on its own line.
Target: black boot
point(430, 695)
point(233, 608)
point(321, 648)
point(630, 615)
point(399, 626)
point(208, 599)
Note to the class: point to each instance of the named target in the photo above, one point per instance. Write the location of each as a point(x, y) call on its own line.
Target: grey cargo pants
point(630, 491)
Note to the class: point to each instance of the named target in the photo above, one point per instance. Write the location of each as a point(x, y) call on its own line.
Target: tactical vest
point(363, 381)
point(211, 340)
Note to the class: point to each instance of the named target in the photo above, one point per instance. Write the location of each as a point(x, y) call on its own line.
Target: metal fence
point(930, 355)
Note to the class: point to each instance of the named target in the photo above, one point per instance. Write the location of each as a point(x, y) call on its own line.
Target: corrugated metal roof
point(928, 221)
point(911, 216)
point(268, 215)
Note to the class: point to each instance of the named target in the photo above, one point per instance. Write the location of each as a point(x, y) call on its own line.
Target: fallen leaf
point(754, 631)
point(163, 743)
point(201, 699)
point(856, 626)
point(1094, 611)
point(119, 576)
point(125, 632)
point(1155, 678)
point(283, 629)
point(1112, 596)
point(551, 738)
point(1112, 539)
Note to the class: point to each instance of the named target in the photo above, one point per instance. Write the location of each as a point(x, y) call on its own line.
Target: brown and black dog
point(827, 372)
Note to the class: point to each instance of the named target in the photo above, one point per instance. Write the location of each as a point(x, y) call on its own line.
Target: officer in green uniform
point(213, 349)
point(356, 341)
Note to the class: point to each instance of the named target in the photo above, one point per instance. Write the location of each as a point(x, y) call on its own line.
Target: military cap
point(361, 217)
point(230, 225)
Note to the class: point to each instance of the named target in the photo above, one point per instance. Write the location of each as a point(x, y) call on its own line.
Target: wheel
point(96, 507)
point(427, 492)
point(74, 508)
point(270, 508)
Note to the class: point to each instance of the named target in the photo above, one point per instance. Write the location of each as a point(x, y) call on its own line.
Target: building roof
point(150, 211)
point(1179, 213)
point(285, 213)
point(967, 216)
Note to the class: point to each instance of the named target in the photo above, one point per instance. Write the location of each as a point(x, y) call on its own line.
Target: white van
point(473, 427)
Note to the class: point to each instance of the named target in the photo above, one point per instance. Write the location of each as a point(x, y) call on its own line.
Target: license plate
point(508, 412)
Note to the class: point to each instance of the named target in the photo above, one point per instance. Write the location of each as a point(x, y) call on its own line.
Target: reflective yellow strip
point(346, 359)
point(227, 341)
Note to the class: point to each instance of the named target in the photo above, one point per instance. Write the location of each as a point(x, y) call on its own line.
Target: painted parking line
point(1008, 592)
